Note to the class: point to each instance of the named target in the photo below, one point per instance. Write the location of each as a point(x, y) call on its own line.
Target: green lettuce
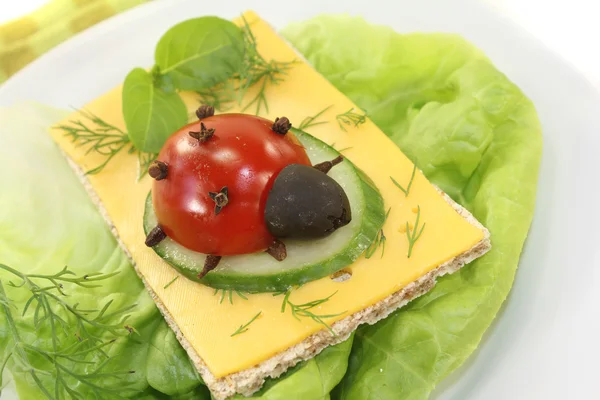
point(47, 221)
point(313, 379)
point(473, 133)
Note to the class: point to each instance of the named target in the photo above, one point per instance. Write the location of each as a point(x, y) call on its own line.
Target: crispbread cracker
point(250, 380)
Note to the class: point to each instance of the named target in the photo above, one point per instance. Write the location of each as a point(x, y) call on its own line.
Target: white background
point(570, 28)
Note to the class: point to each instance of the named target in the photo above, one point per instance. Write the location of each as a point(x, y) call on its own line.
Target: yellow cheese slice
point(206, 322)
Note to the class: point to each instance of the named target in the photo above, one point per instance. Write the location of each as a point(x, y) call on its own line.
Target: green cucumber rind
point(371, 223)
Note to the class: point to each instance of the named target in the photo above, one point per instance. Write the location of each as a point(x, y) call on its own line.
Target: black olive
point(305, 203)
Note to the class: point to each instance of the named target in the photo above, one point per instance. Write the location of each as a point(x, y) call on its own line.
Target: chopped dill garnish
point(170, 282)
point(414, 236)
point(221, 96)
point(340, 150)
point(351, 118)
point(228, 293)
point(97, 135)
point(304, 310)
point(244, 328)
point(255, 70)
point(379, 240)
point(312, 121)
point(412, 178)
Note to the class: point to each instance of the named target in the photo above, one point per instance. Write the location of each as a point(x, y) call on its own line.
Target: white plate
point(545, 342)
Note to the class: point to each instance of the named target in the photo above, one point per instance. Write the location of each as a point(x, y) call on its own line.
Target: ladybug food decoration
point(235, 184)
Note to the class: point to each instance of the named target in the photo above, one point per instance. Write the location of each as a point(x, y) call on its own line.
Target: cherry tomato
point(245, 156)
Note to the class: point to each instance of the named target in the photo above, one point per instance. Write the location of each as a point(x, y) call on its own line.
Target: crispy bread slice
point(250, 380)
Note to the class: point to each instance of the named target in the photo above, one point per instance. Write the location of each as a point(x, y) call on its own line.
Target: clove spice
point(158, 170)
point(221, 199)
point(277, 250)
point(155, 236)
point(210, 263)
point(326, 166)
point(281, 125)
point(205, 111)
point(204, 134)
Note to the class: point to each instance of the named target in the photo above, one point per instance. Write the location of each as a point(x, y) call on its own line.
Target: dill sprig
point(98, 136)
point(103, 138)
point(255, 69)
point(304, 310)
point(221, 96)
point(171, 282)
point(351, 118)
point(410, 182)
point(244, 328)
point(413, 236)
point(77, 336)
point(379, 240)
point(312, 121)
point(144, 161)
point(340, 150)
point(228, 293)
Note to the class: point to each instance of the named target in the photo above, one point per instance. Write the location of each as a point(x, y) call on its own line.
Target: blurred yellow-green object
point(24, 39)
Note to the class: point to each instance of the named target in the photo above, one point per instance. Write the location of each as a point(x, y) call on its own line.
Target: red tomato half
point(244, 155)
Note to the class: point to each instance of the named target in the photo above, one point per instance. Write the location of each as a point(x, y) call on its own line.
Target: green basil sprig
point(192, 55)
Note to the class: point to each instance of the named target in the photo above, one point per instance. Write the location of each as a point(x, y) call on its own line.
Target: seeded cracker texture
point(250, 380)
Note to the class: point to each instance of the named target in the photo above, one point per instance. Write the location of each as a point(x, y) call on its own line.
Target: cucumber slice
point(306, 260)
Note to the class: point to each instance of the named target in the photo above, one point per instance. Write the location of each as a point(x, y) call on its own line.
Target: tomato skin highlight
point(244, 155)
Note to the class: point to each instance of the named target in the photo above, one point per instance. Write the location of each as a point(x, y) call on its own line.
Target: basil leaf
point(151, 114)
point(162, 81)
point(201, 52)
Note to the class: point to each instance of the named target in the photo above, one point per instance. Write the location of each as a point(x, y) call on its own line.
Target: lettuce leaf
point(313, 379)
point(47, 221)
point(473, 133)
point(181, 377)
